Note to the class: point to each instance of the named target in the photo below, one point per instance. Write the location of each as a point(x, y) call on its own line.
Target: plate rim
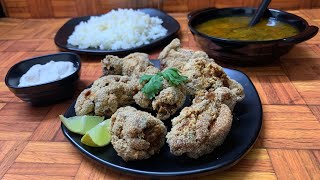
point(93, 51)
point(211, 169)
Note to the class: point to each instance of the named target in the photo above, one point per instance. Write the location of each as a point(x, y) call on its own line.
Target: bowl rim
point(193, 30)
point(78, 67)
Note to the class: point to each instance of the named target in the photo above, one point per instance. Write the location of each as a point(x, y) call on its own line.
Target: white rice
point(118, 29)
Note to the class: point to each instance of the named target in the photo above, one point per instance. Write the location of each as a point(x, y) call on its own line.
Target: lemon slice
point(98, 136)
point(81, 124)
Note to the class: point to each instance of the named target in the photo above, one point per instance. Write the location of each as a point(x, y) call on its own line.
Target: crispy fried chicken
point(200, 128)
point(134, 64)
point(106, 95)
point(169, 101)
point(205, 75)
point(166, 103)
point(175, 56)
point(136, 134)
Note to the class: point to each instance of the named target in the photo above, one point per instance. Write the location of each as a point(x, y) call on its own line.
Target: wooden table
point(32, 145)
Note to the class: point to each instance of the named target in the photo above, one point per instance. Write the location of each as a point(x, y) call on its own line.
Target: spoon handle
point(258, 14)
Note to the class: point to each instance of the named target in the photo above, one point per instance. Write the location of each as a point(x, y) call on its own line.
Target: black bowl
point(238, 52)
point(47, 93)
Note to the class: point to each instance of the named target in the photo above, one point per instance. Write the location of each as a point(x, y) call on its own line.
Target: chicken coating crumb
point(136, 134)
point(200, 128)
point(106, 95)
point(175, 56)
point(134, 64)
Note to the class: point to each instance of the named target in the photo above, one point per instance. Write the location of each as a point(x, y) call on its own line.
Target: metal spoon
point(260, 11)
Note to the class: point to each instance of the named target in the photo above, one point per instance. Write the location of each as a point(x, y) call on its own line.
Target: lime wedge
point(98, 136)
point(81, 124)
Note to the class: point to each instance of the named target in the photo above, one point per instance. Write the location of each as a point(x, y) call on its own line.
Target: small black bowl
point(47, 93)
point(238, 52)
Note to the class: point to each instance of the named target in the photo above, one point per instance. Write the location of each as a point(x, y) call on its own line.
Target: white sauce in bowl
point(41, 74)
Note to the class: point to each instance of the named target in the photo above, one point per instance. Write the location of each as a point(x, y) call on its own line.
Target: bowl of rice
point(118, 32)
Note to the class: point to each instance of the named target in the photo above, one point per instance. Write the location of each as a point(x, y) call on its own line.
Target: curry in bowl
point(278, 33)
point(236, 28)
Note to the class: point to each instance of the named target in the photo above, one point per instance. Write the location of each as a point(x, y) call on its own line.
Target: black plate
point(66, 30)
point(245, 129)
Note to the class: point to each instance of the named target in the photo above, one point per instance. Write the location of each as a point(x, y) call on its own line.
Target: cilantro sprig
point(154, 83)
point(172, 75)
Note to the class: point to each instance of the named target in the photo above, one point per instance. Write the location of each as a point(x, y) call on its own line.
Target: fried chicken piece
point(112, 65)
point(236, 89)
point(142, 100)
point(134, 64)
point(113, 96)
point(136, 134)
point(169, 101)
point(221, 95)
point(85, 102)
point(166, 103)
point(175, 56)
point(204, 75)
point(200, 128)
point(106, 95)
point(226, 96)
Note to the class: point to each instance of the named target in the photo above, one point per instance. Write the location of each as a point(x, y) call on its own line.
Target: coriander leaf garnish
point(153, 86)
point(145, 78)
point(153, 83)
point(172, 75)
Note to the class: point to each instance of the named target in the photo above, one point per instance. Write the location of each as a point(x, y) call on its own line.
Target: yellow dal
point(236, 28)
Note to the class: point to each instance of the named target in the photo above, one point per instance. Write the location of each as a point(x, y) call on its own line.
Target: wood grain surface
point(32, 145)
point(71, 8)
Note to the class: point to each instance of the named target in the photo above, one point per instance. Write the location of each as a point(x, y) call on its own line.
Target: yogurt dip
point(41, 74)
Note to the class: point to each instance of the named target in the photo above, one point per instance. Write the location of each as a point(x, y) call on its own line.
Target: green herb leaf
point(145, 78)
point(154, 83)
point(153, 86)
point(172, 75)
